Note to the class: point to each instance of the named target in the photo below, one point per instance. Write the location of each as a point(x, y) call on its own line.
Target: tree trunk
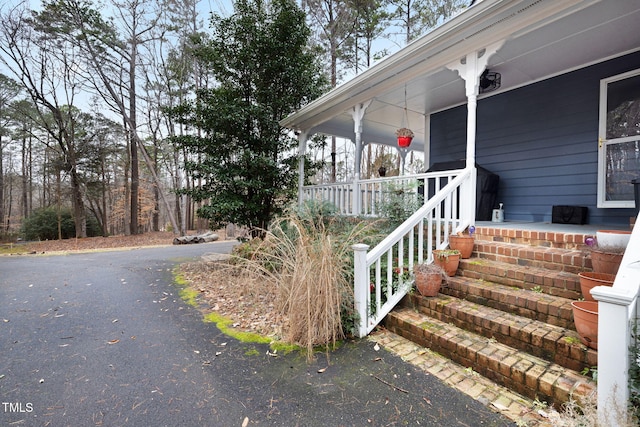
point(135, 179)
point(25, 179)
point(80, 216)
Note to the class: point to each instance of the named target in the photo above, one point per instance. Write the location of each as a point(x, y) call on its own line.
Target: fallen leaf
point(113, 341)
point(321, 370)
point(426, 400)
point(245, 423)
point(377, 359)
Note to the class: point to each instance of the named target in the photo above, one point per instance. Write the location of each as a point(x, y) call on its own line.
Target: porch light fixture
point(489, 81)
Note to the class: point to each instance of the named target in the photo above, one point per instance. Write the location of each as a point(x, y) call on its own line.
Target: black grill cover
point(486, 191)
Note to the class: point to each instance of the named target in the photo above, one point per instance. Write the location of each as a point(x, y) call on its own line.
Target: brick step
point(569, 260)
point(524, 373)
point(546, 308)
point(549, 342)
point(550, 282)
point(574, 241)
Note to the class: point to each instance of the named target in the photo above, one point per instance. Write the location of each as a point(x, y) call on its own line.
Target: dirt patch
point(249, 303)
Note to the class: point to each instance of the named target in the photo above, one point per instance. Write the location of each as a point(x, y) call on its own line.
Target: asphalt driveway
point(103, 339)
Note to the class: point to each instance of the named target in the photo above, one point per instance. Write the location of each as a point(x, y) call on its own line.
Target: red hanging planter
point(405, 136)
point(404, 141)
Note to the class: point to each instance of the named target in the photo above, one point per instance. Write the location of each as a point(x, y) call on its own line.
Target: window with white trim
point(619, 140)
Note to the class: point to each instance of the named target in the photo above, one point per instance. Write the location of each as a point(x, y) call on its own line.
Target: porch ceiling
point(543, 38)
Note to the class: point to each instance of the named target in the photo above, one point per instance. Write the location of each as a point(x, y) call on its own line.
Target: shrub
point(42, 224)
point(399, 203)
point(310, 270)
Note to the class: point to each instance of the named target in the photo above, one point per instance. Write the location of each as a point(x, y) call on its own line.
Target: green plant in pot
point(448, 259)
point(428, 279)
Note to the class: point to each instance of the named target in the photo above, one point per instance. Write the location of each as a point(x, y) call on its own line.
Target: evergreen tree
point(264, 71)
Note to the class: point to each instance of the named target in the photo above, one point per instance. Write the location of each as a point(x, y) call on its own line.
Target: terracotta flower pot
point(605, 262)
point(448, 259)
point(585, 316)
point(589, 280)
point(428, 279)
point(463, 243)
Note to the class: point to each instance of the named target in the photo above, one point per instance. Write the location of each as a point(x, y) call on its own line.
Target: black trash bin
point(486, 190)
point(636, 193)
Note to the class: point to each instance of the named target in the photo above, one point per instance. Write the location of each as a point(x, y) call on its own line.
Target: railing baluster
point(421, 241)
point(411, 248)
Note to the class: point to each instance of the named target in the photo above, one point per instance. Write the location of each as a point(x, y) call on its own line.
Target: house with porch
point(545, 94)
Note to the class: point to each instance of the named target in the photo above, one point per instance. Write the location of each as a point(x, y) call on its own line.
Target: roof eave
point(452, 40)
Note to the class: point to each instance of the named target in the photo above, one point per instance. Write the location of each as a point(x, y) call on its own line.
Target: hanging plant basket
point(405, 136)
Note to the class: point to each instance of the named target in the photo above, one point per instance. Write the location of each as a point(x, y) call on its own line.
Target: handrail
point(617, 316)
point(414, 219)
point(390, 260)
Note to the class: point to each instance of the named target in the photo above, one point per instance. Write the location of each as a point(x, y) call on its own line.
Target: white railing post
point(357, 197)
point(361, 286)
point(613, 353)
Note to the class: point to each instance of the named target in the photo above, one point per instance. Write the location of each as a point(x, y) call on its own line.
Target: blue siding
point(542, 141)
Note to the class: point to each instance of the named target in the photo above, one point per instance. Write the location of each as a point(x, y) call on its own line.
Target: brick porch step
point(569, 260)
point(533, 305)
point(550, 282)
point(524, 373)
point(549, 239)
point(549, 342)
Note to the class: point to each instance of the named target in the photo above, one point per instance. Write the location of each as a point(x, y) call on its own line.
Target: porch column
point(427, 141)
point(302, 150)
point(470, 68)
point(358, 115)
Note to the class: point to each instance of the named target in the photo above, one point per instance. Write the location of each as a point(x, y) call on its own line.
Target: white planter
point(612, 238)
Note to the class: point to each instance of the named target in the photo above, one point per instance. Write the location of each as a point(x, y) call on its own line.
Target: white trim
point(603, 142)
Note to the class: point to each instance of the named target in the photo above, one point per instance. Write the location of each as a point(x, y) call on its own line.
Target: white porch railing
point(366, 197)
point(382, 276)
point(617, 314)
